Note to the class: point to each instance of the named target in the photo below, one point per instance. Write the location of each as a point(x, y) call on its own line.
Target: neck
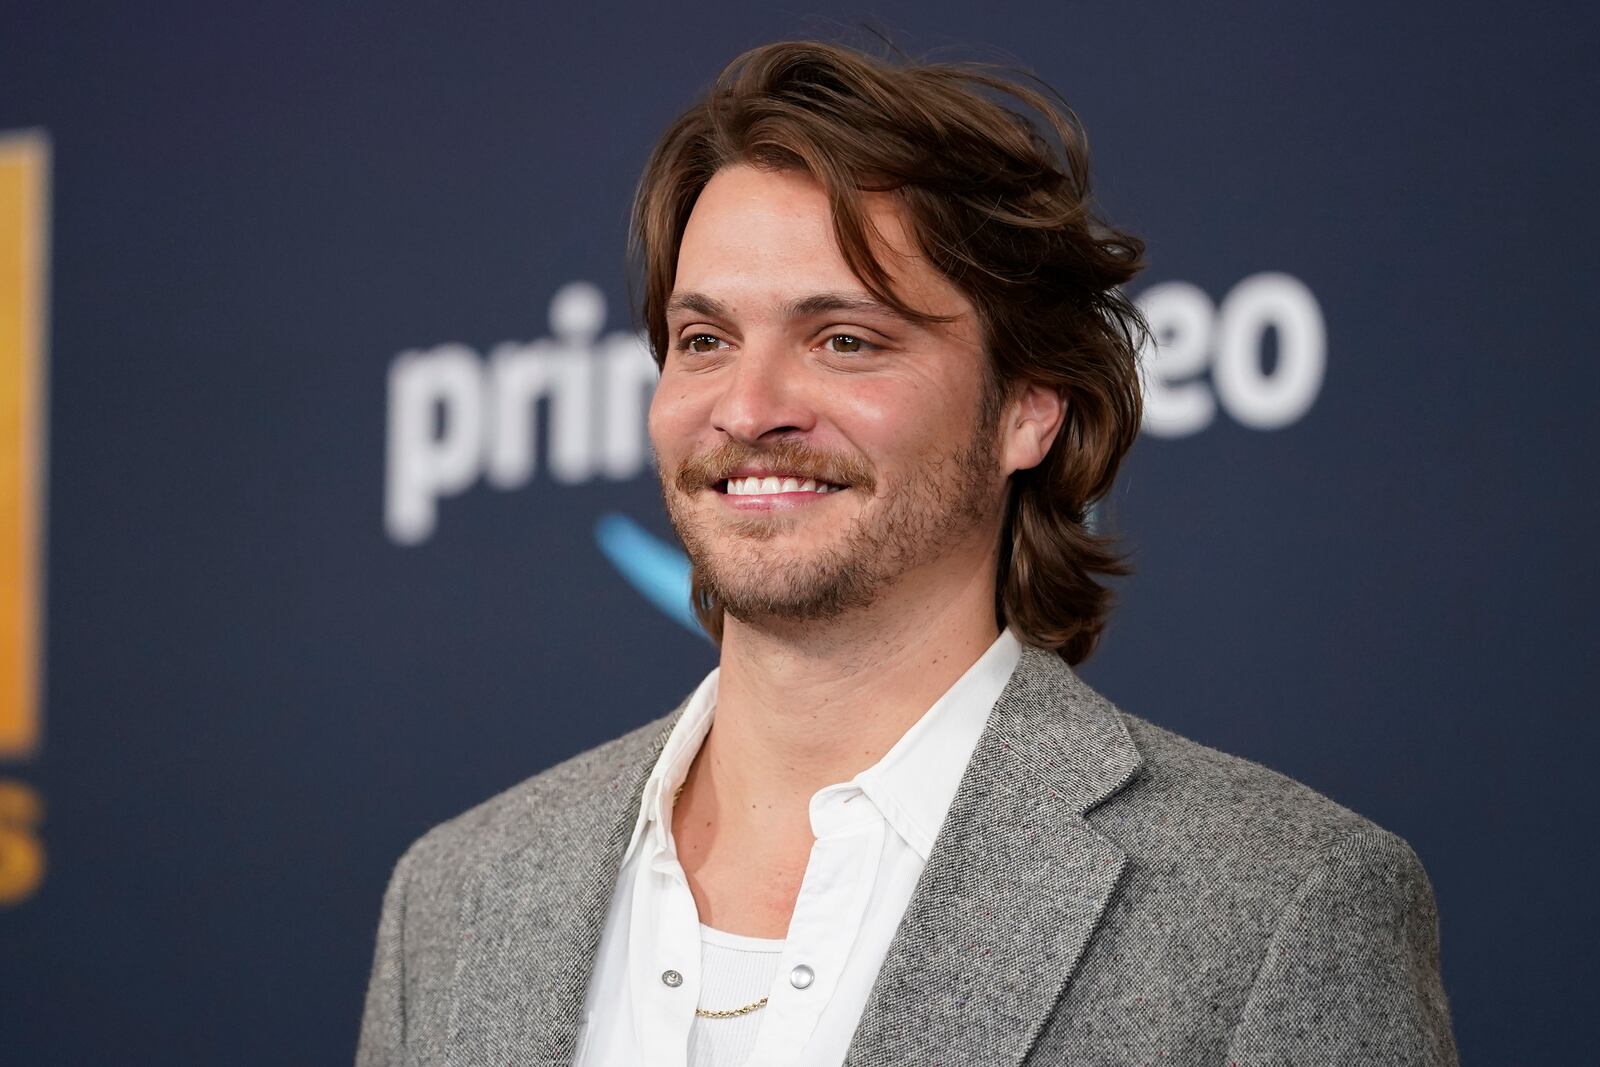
point(804, 705)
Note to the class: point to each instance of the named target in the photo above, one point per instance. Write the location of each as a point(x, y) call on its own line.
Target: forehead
point(763, 238)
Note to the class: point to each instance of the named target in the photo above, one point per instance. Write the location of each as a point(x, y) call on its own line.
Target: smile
point(756, 485)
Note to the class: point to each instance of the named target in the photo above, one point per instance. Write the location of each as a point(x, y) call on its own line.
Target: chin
point(747, 591)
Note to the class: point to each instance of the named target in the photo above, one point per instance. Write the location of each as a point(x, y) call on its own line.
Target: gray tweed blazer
point(1102, 892)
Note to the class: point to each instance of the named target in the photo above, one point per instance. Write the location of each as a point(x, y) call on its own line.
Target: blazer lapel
point(532, 918)
point(1015, 886)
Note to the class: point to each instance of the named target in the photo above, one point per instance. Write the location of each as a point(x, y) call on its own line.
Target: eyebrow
point(799, 307)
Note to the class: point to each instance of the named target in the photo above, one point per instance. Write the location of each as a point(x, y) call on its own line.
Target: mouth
point(773, 492)
point(774, 484)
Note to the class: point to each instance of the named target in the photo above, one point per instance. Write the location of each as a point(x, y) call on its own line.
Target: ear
point(1030, 424)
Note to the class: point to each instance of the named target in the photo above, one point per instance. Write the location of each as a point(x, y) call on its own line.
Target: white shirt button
point(802, 976)
point(671, 979)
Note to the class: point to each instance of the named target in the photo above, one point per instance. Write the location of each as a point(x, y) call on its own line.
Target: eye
point(699, 343)
point(848, 344)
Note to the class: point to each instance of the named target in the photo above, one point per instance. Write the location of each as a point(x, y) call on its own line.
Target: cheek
point(893, 420)
point(674, 417)
point(883, 409)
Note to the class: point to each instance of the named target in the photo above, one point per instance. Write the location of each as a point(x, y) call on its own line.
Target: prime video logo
point(458, 417)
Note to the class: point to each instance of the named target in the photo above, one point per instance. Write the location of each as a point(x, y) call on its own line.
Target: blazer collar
point(532, 917)
point(1013, 889)
point(1016, 884)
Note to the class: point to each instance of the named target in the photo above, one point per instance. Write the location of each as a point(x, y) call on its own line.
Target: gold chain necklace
point(732, 1013)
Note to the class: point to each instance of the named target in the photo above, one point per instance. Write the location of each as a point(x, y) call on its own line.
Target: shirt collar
point(915, 781)
point(912, 785)
point(672, 766)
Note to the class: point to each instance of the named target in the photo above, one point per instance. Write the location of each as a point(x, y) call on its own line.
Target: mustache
point(789, 456)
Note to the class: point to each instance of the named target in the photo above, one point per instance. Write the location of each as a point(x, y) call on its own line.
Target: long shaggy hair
point(1000, 203)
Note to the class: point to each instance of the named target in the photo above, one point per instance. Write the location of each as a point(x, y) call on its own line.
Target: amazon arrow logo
point(657, 569)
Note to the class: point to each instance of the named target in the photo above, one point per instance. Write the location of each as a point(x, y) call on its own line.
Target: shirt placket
point(664, 960)
point(826, 922)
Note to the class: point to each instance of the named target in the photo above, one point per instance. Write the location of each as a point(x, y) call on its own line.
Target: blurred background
point(328, 511)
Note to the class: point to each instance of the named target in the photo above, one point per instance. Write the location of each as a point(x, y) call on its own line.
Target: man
point(894, 826)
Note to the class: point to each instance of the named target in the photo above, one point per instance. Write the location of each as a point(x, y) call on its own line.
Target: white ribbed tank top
point(734, 971)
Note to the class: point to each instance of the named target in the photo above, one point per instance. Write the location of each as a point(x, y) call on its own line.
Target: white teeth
point(754, 486)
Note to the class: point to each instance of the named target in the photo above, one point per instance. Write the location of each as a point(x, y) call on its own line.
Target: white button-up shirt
point(873, 836)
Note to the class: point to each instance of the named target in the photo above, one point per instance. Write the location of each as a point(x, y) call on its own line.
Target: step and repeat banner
point(327, 510)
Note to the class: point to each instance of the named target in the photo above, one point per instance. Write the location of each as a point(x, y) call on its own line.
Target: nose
point(762, 396)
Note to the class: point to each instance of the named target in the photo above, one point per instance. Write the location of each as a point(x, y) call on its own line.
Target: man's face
point(814, 447)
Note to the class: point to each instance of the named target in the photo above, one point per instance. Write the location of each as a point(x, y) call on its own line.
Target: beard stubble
point(911, 524)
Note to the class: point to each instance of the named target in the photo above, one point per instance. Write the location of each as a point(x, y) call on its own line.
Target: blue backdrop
point(350, 523)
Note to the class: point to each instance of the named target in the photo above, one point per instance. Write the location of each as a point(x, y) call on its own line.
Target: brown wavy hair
point(1000, 203)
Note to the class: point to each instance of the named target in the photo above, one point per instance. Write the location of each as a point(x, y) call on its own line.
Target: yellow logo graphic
point(21, 851)
point(24, 162)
